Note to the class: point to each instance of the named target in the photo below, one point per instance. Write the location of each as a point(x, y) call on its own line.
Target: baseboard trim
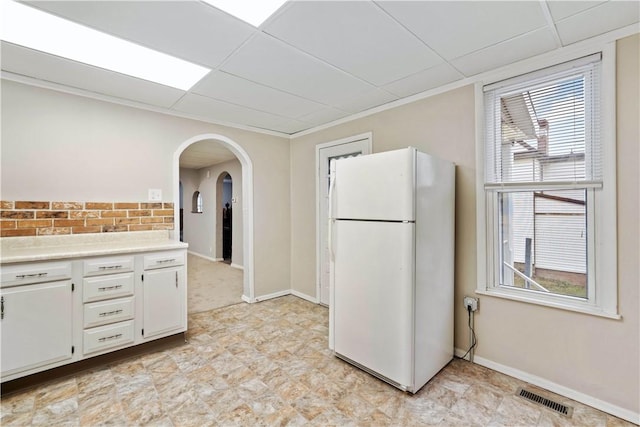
point(594, 402)
point(281, 294)
point(232, 265)
point(273, 295)
point(247, 299)
point(304, 296)
point(199, 255)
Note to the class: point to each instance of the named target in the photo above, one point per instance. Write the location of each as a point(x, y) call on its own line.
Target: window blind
point(545, 131)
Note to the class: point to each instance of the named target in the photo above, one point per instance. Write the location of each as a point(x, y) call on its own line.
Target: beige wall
point(57, 146)
point(591, 355)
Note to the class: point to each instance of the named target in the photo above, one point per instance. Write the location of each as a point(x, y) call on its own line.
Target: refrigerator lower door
point(373, 297)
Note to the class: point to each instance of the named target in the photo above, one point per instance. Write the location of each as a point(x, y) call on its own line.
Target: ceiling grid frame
point(564, 26)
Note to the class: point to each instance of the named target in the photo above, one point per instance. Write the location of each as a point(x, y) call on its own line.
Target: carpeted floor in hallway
point(212, 284)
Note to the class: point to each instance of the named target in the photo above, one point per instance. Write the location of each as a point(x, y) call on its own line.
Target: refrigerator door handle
point(332, 184)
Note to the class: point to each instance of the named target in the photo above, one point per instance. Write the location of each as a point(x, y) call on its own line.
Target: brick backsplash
point(38, 218)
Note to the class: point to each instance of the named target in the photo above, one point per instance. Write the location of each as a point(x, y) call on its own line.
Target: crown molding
point(18, 78)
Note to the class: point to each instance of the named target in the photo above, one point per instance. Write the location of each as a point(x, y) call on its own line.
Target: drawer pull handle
point(110, 313)
point(164, 261)
point(23, 276)
point(112, 337)
point(109, 267)
point(109, 288)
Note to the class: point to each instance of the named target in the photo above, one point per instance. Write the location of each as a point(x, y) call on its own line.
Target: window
point(546, 192)
point(196, 202)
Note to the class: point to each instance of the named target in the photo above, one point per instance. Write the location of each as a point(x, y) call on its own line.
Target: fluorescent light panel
point(255, 12)
point(32, 28)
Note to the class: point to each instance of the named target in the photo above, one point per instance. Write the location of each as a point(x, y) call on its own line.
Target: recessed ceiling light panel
point(34, 29)
point(255, 12)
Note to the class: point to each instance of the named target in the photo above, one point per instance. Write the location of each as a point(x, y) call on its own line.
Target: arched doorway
point(248, 294)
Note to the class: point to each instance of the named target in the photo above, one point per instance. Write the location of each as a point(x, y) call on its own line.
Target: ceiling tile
point(563, 9)
point(598, 20)
point(51, 68)
point(272, 63)
point(456, 28)
point(424, 80)
point(516, 49)
point(205, 153)
point(292, 126)
point(190, 30)
point(229, 88)
point(325, 115)
point(368, 100)
point(220, 111)
point(314, 62)
point(355, 36)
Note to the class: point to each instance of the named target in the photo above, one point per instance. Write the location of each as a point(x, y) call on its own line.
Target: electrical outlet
point(155, 195)
point(471, 302)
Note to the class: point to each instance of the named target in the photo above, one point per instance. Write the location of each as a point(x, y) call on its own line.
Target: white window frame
point(601, 208)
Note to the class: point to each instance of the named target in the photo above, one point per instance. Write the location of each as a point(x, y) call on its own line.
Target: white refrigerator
point(392, 250)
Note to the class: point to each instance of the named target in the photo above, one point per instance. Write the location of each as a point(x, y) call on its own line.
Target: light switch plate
point(155, 195)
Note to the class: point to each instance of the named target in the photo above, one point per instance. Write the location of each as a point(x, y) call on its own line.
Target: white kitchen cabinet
point(164, 295)
point(109, 303)
point(92, 296)
point(110, 311)
point(105, 287)
point(36, 326)
point(107, 265)
point(107, 337)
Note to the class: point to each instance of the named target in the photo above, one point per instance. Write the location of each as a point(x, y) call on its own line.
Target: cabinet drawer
point(110, 265)
point(40, 272)
point(163, 259)
point(106, 287)
point(105, 337)
point(105, 312)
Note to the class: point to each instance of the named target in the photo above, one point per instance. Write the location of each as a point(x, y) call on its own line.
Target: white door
point(36, 325)
point(376, 187)
point(372, 296)
point(334, 150)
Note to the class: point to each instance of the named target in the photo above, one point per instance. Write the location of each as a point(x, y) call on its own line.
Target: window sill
point(594, 311)
point(196, 212)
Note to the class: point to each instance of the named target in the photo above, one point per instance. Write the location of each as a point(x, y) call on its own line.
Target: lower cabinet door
point(164, 297)
point(36, 325)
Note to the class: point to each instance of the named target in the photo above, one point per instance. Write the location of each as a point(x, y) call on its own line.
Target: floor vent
point(536, 398)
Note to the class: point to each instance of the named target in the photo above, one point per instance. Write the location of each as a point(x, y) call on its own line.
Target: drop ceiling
point(205, 153)
point(314, 62)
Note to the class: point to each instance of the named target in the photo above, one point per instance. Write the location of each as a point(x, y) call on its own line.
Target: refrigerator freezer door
point(372, 297)
point(377, 186)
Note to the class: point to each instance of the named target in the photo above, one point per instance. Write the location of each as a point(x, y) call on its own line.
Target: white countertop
point(44, 248)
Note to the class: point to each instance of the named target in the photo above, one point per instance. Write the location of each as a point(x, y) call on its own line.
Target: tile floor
point(268, 364)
